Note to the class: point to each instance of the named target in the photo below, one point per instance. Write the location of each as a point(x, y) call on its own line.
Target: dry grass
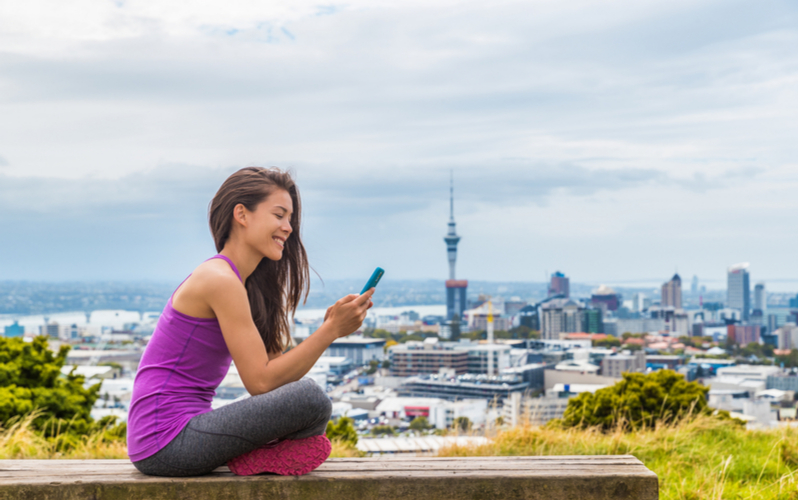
point(703, 458)
point(341, 449)
point(19, 440)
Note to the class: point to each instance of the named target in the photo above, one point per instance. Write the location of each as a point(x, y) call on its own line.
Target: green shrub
point(342, 430)
point(30, 379)
point(637, 401)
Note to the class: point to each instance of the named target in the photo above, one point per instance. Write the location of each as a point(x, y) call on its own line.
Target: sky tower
point(456, 289)
point(452, 238)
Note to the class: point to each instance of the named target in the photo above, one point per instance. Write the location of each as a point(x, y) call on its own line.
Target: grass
point(18, 440)
point(703, 458)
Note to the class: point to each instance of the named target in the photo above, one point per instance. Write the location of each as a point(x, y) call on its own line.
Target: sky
point(613, 141)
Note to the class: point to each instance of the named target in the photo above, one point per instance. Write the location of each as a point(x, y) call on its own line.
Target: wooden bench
point(418, 478)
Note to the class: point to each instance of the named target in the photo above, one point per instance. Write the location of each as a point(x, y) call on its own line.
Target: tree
point(756, 349)
point(789, 361)
point(383, 429)
point(523, 332)
point(463, 424)
point(342, 430)
point(608, 342)
point(30, 379)
point(373, 366)
point(389, 343)
point(628, 335)
point(419, 424)
point(637, 401)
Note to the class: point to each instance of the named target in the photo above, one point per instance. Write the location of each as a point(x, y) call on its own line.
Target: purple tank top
point(181, 368)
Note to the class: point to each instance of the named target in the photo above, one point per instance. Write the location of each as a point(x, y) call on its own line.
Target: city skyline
point(618, 143)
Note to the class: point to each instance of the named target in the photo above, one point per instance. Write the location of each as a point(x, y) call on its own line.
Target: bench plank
point(551, 477)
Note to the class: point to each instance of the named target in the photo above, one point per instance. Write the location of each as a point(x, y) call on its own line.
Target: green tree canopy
point(342, 430)
point(419, 424)
point(463, 424)
point(383, 429)
point(608, 342)
point(789, 361)
point(30, 379)
point(637, 401)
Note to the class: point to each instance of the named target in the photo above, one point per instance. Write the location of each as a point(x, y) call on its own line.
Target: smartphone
point(373, 280)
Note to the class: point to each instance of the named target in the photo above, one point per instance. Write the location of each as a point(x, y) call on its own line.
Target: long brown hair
point(275, 287)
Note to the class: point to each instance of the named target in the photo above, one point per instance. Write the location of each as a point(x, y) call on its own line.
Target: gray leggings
point(294, 411)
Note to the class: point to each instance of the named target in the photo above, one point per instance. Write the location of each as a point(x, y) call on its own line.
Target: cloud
point(123, 118)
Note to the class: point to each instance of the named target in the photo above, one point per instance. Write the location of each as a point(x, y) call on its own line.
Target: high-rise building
point(760, 298)
point(671, 293)
point(606, 298)
point(456, 298)
point(456, 289)
point(640, 302)
point(739, 289)
point(559, 284)
point(772, 322)
point(695, 282)
point(593, 321)
point(14, 330)
point(561, 316)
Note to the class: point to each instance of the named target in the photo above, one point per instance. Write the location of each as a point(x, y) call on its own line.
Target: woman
point(237, 305)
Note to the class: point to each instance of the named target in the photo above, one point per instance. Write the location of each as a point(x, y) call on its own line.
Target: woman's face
point(268, 226)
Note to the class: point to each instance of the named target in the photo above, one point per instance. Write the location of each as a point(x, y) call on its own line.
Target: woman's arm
point(259, 371)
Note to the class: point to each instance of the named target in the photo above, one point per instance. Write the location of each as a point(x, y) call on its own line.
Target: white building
point(359, 350)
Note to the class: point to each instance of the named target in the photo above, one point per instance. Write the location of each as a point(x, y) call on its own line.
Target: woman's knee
point(317, 400)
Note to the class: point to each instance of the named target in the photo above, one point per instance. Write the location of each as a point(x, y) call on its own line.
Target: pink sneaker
point(289, 457)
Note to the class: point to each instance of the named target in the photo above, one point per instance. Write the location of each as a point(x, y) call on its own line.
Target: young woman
point(237, 305)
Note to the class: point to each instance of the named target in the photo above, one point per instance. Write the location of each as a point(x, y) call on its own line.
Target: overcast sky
point(614, 141)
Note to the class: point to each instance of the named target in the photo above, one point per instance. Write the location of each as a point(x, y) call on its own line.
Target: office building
point(463, 387)
point(639, 325)
point(559, 285)
point(605, 298)
point(428, 357)
point(758, 373)
point(760, 298)
point(529, 316)
point(772, 322)
point(478, 358)
point(744, 334)
point(640, 302)
point(786, 336)
point(561, 316)
point(14, 330)
point(786, 381)
point(671, 293)
point(531, 373)
point(359, 350)
point(534, 411)
point(615, 366)
point(695, 282)
point(739, 289)
point(592, 321)
point(456, 299)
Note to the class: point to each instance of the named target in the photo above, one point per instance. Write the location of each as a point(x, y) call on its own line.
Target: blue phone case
point(373, 280)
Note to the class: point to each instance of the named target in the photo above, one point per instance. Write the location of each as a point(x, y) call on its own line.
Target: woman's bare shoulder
point(212, 277)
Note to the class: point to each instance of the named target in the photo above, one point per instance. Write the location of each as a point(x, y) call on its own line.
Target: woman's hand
point(348, 313)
